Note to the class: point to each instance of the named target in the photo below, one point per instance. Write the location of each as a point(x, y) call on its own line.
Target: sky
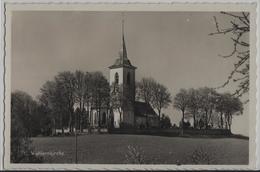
point(172, 47)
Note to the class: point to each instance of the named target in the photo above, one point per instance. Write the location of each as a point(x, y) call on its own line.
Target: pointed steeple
point(123, 60)
point(123, 51)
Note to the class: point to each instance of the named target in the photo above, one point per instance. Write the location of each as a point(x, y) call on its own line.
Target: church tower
point(122, 83)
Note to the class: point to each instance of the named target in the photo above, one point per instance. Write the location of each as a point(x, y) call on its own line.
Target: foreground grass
point(112, 149)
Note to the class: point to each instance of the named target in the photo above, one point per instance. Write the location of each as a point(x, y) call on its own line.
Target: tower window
point(116, 78)
point(128, 78)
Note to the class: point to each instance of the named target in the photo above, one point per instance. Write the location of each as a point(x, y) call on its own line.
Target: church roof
point(144, 109)
point(122, 61)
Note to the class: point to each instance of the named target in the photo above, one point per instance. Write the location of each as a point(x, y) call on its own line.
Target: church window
point(128, 78)
point(116, 78)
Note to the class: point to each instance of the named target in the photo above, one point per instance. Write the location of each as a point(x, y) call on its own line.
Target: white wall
point(116, 118)
point(112, 75)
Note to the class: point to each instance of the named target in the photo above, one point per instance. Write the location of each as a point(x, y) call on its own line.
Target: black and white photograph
point(131, 87)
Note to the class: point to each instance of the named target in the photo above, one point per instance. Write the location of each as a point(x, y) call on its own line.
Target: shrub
point(165, 122)
point(135, 155)
point(21, 151)
point(202, 155)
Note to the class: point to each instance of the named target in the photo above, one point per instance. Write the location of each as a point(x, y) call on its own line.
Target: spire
point(122, 61)
point(123, 52)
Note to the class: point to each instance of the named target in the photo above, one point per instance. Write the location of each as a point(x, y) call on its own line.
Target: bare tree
point(58, 95)
point(88, 86)
point(49, 98)
point(100, 92)
point(194, 104)
point(238, 31)
point(221, 106)
point(208, 103)
point(233, 106)
point(208, 106)
point(181, 102)
point(66, 88)
point(161, 98)
point(79, 94)
point(145, 89)
point(153, 93)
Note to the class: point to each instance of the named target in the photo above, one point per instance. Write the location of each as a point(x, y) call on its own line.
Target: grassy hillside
point(114, 149)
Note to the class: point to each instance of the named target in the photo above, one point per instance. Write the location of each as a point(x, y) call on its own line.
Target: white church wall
point(116, 118)
point(94, 117)
point(112, 75)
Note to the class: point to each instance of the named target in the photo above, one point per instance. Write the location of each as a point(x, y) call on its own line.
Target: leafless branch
point(241, 67)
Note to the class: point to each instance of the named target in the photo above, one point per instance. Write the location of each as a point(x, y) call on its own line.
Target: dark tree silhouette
point(145, 89)
point(165, 121)
point(65, 89)
point(181, 102)
point(194, 104)
point(233, 107)
point(209, 107)
point(153, 93)
point(22, 114)
point(208, 103)
point(100, 92)
point(161, 98)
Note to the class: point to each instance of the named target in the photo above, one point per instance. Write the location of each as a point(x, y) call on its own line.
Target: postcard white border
point(133, 6)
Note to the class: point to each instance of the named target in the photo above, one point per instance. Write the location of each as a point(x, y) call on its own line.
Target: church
point(124, 110)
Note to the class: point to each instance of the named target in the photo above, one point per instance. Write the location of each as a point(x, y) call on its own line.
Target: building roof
point(122, 62)
point(144, 109)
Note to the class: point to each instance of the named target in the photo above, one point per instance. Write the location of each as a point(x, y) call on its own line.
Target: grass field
point(114, 149)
